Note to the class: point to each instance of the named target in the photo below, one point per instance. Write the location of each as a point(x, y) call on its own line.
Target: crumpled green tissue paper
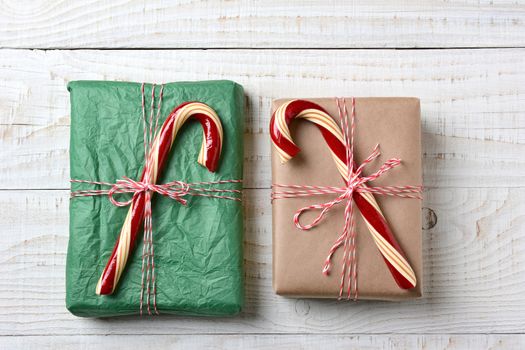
point(198, 248)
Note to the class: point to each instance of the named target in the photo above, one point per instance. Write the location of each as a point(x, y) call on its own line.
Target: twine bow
point(175, 190)
point(354, 182)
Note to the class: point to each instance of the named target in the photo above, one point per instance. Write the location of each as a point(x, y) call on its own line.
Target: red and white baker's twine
point(355, 183)
point(156, 146)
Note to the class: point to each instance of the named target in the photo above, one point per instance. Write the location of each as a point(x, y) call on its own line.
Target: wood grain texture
point(470, 81)
point(270, 342)
point(265, 24)
point(473, 103)
point(473, 275)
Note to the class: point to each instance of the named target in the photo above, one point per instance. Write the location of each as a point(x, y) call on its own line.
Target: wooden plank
point(269, 342)
point(473, 103)
point(268, 24)
point(41, 155)
point(474, 252)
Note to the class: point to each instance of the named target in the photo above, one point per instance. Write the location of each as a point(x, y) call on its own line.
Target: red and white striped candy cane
point(365, 201)
point(208, 157)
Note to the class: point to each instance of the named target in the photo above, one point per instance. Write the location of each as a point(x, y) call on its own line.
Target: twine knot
point(176, 190)
point(356, 183)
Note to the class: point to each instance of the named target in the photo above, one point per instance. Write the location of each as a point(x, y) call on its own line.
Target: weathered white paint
point(473, 115)
point(270, 24)
point(269, 342)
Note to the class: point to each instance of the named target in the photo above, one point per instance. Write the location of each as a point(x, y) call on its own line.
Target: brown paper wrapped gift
point(298, 256)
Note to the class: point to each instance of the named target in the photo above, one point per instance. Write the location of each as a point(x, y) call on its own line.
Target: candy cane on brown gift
point(157, 154)
point(342, 152)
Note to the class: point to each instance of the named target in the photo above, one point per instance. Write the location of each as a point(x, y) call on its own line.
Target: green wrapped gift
point(198, 246)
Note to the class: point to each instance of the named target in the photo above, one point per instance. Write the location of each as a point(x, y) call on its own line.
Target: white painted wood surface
point(269, 24)
point(473, 114)
point(275, 341)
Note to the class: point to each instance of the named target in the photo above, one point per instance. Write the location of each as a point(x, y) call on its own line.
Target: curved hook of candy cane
point(383, 237)
point(209, 157)
point(211, 142)
point(297, 109)
point(211, 127)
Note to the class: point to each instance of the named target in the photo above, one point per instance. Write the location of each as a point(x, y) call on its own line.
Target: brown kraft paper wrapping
point(298, 256)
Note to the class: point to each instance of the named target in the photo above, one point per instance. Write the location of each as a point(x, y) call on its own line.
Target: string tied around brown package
point(355, 190)
point(157, 144)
